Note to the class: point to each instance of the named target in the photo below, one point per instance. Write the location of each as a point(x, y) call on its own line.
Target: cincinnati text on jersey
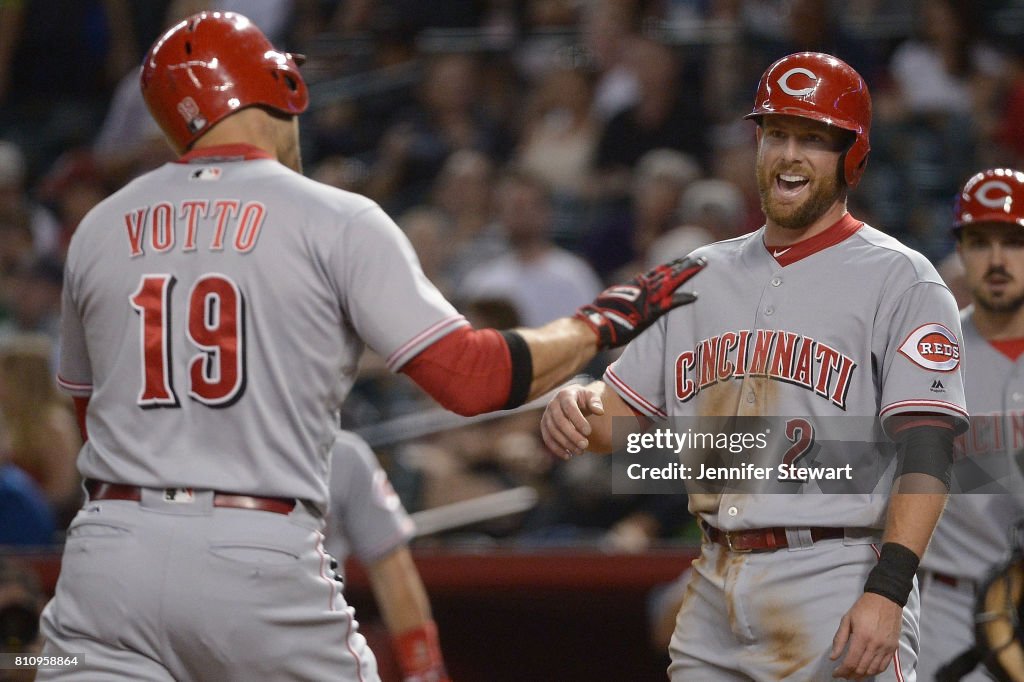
point(780, 355)
point(991, 434)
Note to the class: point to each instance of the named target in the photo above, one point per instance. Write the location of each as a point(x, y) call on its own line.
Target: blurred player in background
point(367, 520)
point(974, 533)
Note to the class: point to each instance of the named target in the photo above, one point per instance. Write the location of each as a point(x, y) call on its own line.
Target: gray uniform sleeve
point(638, 375)
point(364, 507)
point(918, 343)
point(74, 374)
point(388, 299)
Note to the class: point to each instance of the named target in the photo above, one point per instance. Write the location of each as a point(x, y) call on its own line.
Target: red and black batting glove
point(622, 311)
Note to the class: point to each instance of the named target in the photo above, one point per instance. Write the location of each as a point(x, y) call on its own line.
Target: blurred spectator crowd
point(532, 150)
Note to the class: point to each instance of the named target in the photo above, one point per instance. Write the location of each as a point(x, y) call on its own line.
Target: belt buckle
point(728, 543)
point(179, 495)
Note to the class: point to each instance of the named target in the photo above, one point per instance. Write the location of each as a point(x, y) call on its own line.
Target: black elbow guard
point(522, 369)
point(926, 450)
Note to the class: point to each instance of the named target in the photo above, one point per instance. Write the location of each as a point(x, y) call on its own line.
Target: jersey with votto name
point(848, 323)
point(215, 310)
point(986, 497)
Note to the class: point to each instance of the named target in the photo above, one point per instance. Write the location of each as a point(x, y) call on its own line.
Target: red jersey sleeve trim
point(74, 388)
point(632, 398)
point(417, 344)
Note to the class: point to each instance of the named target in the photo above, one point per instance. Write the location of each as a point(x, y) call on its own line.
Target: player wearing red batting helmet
point(975, 532)
point(214, 312)
point(803, 584)
point(992, 196)
point(210, 66)
point(822, 88)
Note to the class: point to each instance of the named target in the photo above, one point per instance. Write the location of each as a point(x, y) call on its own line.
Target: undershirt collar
point(225, 152)
point(837, 232)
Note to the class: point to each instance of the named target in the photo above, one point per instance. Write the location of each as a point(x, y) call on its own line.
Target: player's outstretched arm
point(617, 316)
point(580, 418)
point(470, 371)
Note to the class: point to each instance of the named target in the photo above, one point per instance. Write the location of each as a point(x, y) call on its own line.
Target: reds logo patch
point(932, 347)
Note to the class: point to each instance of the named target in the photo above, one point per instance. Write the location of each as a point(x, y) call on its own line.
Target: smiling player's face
point(797, 176)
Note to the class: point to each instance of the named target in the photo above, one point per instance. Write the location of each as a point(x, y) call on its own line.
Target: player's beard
point(823, 193)
point(1000, 305)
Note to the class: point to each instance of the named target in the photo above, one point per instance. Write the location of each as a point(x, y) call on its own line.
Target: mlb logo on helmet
point(933, 347)
point(189, 111)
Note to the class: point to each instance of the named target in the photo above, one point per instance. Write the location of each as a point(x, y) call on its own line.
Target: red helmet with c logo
point(995, 195)
point(823, 88)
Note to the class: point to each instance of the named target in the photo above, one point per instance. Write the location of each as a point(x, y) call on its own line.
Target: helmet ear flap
point(855, 161)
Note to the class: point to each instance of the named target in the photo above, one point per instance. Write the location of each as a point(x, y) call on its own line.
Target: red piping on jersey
point(331, 605)
point(400, 356)
point(631, 396)
point(937, 404)
point(1011, 348)
point(845, 227)
point(225, 152)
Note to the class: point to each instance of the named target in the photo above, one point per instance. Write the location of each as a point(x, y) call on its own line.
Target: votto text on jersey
point(214, 224)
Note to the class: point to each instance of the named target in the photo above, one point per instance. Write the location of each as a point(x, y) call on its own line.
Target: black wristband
point(522, 369)
point(893, 575)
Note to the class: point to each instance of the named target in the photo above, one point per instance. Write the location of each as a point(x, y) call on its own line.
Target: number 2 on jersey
point(216, 326)
point(800, 433)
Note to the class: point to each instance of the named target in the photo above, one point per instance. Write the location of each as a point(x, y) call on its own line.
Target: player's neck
point(777, 235)
point(995, 326)
point(257, 128)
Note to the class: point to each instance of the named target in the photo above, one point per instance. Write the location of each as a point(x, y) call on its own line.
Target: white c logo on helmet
point(802, 91)
point(983, 195)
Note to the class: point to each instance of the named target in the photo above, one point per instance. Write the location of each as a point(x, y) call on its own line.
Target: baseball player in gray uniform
point(367, 519)
point(974, 533)
point(214, 313)
point(814, 316)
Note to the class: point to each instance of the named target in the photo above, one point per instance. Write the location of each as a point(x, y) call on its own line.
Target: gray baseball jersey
point(366, 517)
point(233, 285)
point(846, 323)
point(850, 322)
point(974, 532)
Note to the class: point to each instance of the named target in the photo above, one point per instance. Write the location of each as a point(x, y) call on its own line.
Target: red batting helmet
point(210, 66)
point(992, 196)
point(823, 88)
